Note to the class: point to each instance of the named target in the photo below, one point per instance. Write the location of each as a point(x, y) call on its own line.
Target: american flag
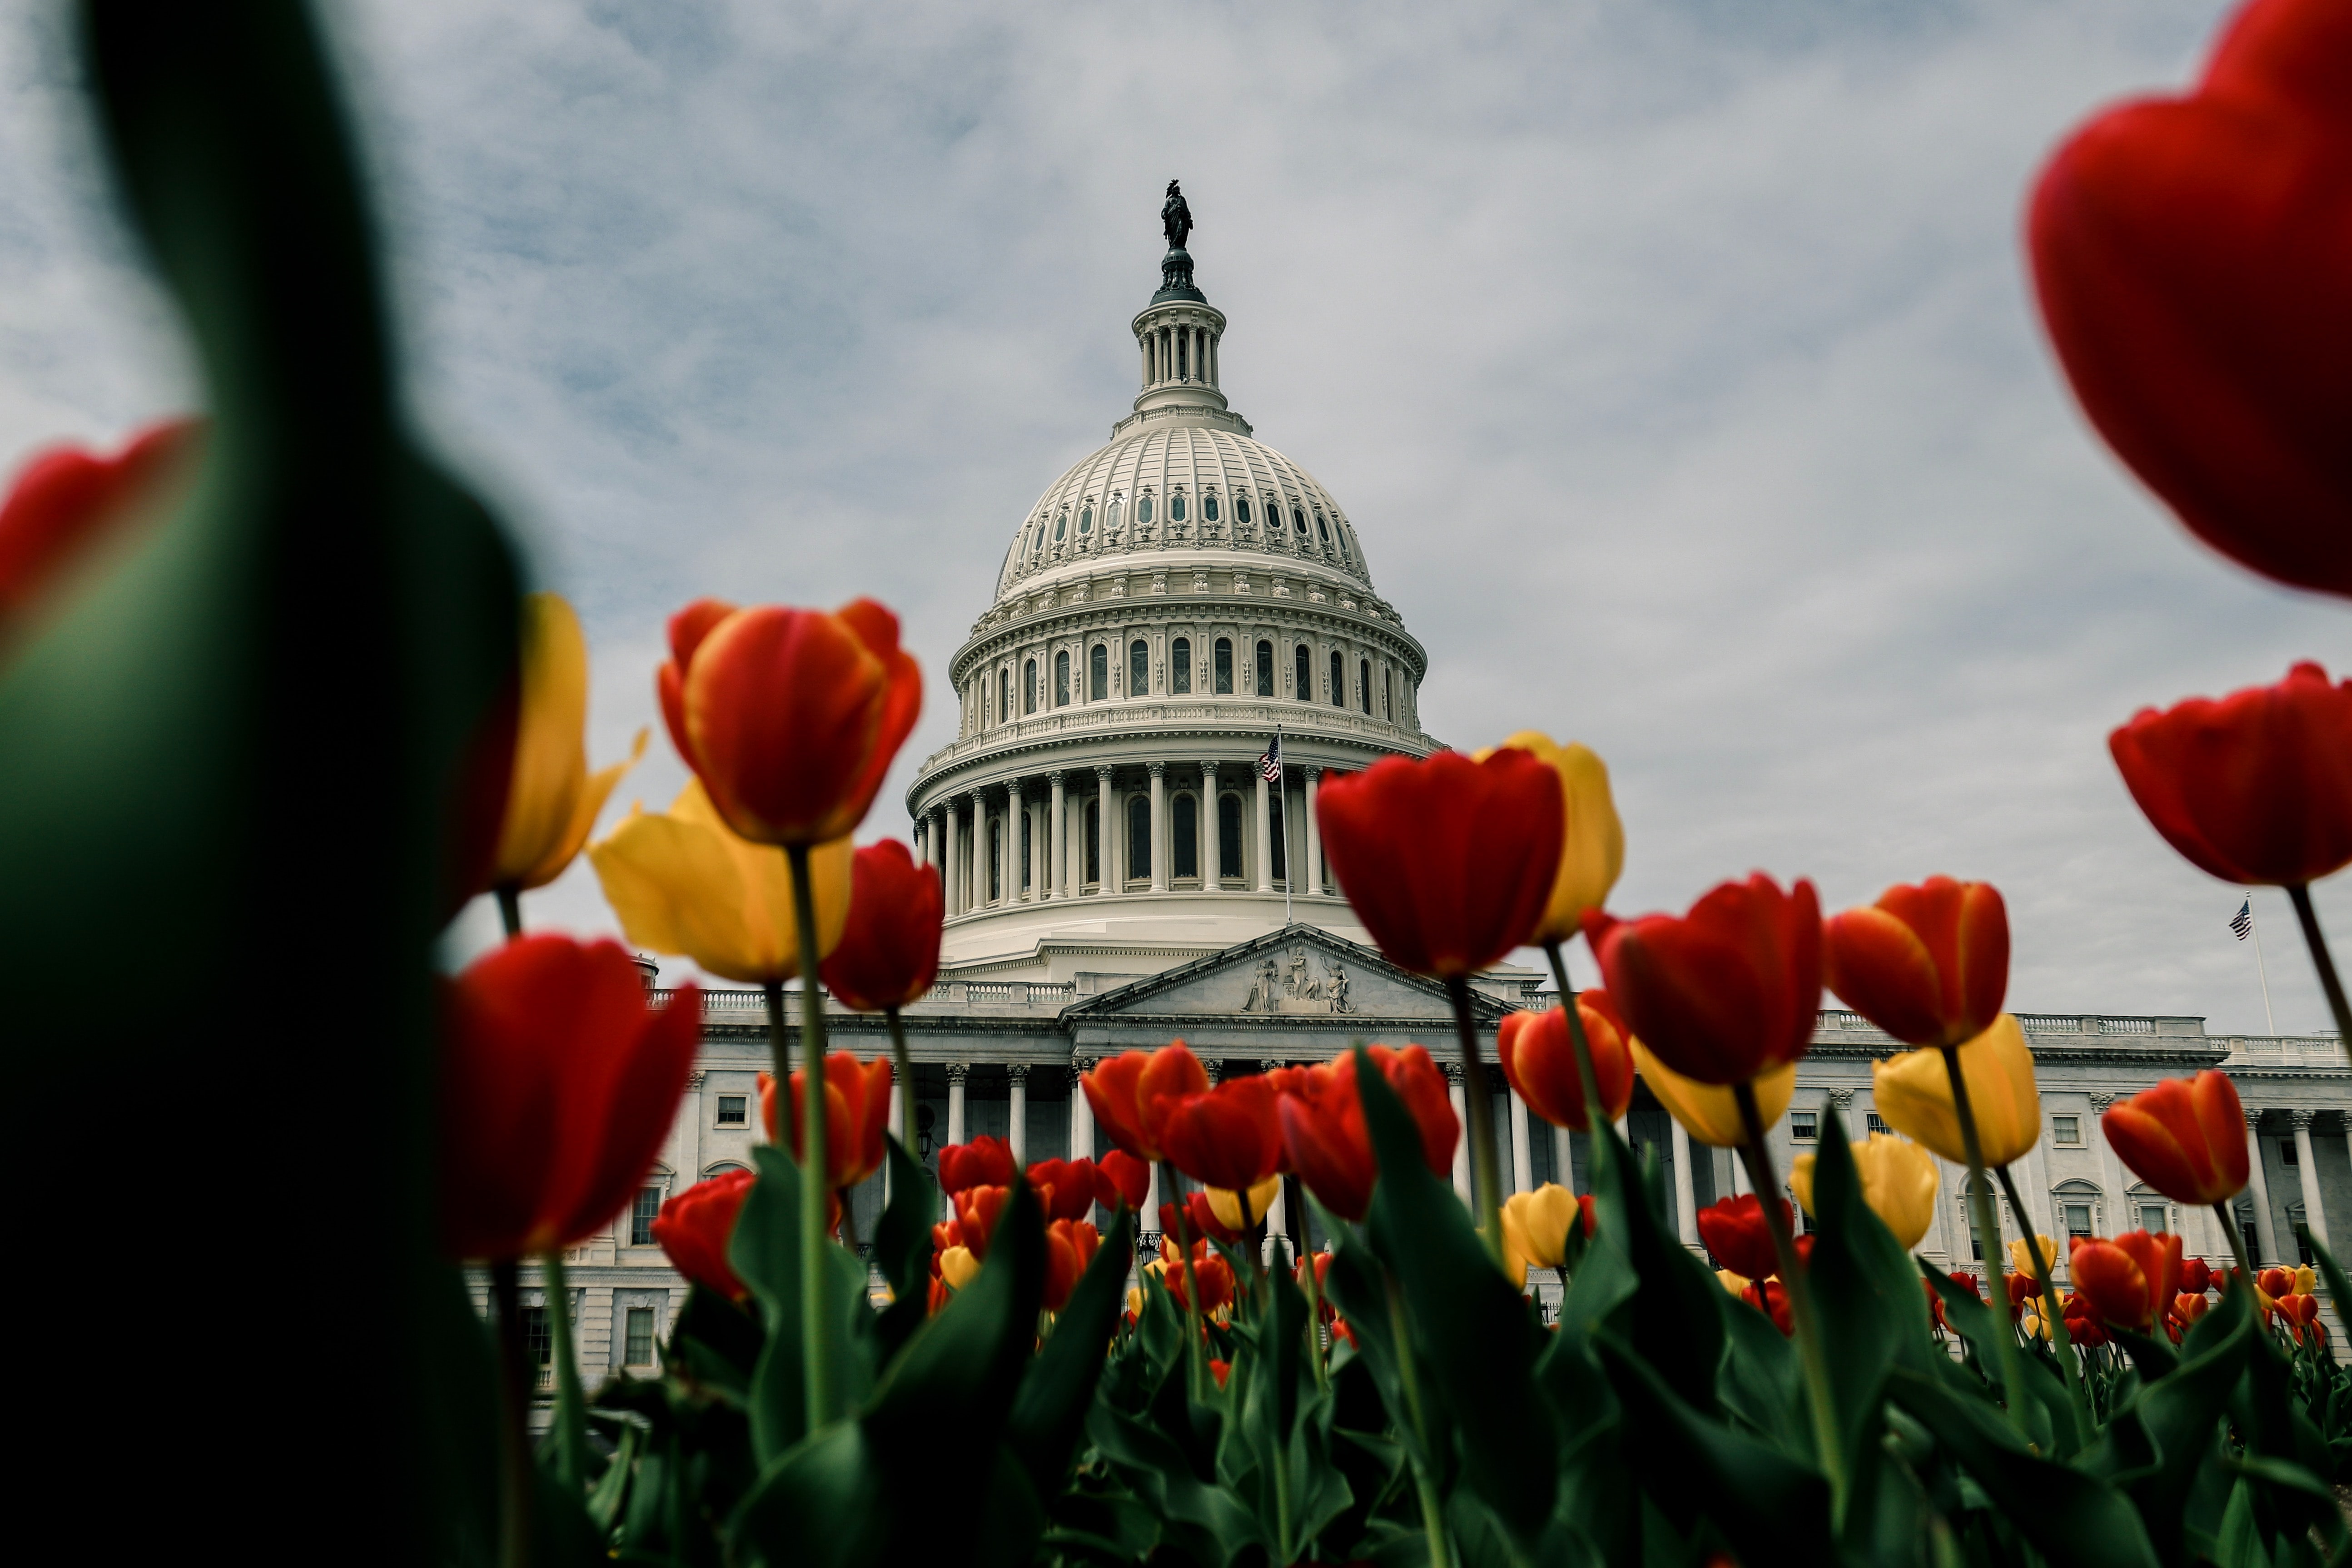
point(1269, 766)
point(2243, 922)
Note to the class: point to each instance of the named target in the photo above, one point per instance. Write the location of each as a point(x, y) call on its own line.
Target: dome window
point(1176, 508)
point(1143, 507)
point(1062, 678)
point(1139, 668)
point(1209, 508)
point(1264, 669)
point(1338, 681)
point(1098, 673)
point(1224, 667)
point(1180, 665)
point(1111, 518)
point(1298, 521)
point(1364, 685)
point(1343, 545)
point(1241, 507)
point(1324, 529)
point(1062, 527)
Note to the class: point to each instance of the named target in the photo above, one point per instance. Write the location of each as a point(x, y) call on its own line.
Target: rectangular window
point(639, 1347)
point(1094, 842)
point(641, 1216)
point(539, 1344)
point(2286, 1152)
point(1305, 689)
point(1098, 673)
point(1188, 836)
point(1139, 669)
point(1180, 665)
point(1026, 855)
point(2066, 1131)
point(1062, 678)
point(2151, 1216)
point(1804, 1126)
point(1229, 835)
point(1264, 670)
point(1875, 1122)
point(731, 1110)
point(1224, 667)
point(2078, 1219)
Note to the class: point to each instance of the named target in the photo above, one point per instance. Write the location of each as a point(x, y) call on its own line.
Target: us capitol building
point(1121, 872)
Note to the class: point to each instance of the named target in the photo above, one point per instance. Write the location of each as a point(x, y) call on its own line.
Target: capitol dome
point(1170, 604)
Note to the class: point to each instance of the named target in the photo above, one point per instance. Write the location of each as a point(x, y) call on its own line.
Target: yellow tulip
point(957, 1267)
point(1913, 1093)
point(552, 798)
point(1736, 1284)
point(2020, 1256)
point(2307, 1280)
point(1706, 1111)
point(1593, 851)
point(682, 881)
point(1898, 1182)
point(1535, 1229)
point(1227, 1205)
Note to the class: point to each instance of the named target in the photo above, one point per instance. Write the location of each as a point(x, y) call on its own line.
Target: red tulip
point(2083, 1324)
point(2255, 788)
point(558, 1086)
point(1963, 1277)
point(698, 1226)
point(2190, 254)
point(2196, 1276)
point(1736, 1233)
point(66, 501)
point(1771, 1298)
point(1219, 1370)
point(789, 717)
point(1229, 1137)
point(2021, 1289)
point(1131, 1094)
point(983, 1162)
point(889, 950)
point(1540, 1060)
point(1069, 1190)
point(1201, 1219)
point(1123, 1178)
point(2122, 1280)
point(1448, 863)
point(1328, 1144)
point(1729, 991)
point(857, 1113)
point(1209, 1266)
point(2191, 1305)
point(978, 1209)
point(2186, 1137)
point(1929, 964)
point(1070, 1246)
point(2275, 1282)
point(1935, 1303)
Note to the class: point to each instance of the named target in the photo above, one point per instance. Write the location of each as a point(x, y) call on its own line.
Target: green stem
point(817, 1274)
point(518, 1476)
point(1485, 1172)
point(1433, 1512)
point(1757, 1156)
point(1196, 1367)
point(2237, 1240)
point(510, 909)
point(1980, 1215)
point(1588, 1078)
point(571, 1403)
point(2050, 1314)
point(1314, 1285)
point(2329, 981)
point(904, 1065)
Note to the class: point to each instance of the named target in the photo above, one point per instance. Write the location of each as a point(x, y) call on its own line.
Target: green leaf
point(1151, 1464)
point(766, 1255)
point(820, 1505)
point(1357, 1283)
point(1864, 1294)
point(716, 1345)
point(2339, 1289)
point(2070, 1517)
point(1049, 1413)
point(902, 1249)
point(1470, 1327)
point(1675, 1318)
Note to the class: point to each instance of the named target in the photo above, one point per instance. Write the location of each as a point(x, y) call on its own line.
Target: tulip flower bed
point(292, 603)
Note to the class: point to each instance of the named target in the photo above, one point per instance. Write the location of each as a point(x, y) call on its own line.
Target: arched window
point(1183, 360)
point(1086, 520)
point(1343, 544)
point(1036, 539)
point(1188, 835)
point(1139, 668)
point(1298, 521)
point(1179, 664)
point(1305, 691)
point(1241, 508)
point(1094, 842)
point(1209, 508)
point(1338, 681)
point(996, 857)
point(1364, 684)
point(1388, 699)
point(1029, 686)
point(2078, 1208)
point(1224, 668)
point(1004, 697)
point(1097, 674)
point(1229, 835)
point(1266, 669)
point(1061, 525)
point(1143, 507)
point(1139, 838)
point(1062, 678)
point(1176, 508)
point(1027, 854)
point(1111, 518)
point(1323, 528)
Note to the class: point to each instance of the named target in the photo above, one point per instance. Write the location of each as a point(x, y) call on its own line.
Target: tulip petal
point(1709, 1112)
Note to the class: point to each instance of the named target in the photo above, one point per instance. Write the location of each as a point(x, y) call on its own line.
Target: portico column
point(1057, 841)
point(1159, 827)
point(1564, 1155)
point(1461, 1104)
point(1102, 833)
point(2264, 1231)
point(1016, 813)
point(1685, 1194)
point(1315, 841)
point(954, 866)
point(957, 1072)
point(2308, 1169)
point(1082, 1113)
point(980, 859)
point(1211, 882)
point(898, 1098)
point(1018, 1115)
point(1523, 1159)
point(1265, 840)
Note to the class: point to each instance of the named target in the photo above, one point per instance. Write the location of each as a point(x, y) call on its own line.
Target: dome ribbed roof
point(1071, 527)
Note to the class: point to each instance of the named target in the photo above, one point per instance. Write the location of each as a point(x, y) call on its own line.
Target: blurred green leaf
point(1049, 1413)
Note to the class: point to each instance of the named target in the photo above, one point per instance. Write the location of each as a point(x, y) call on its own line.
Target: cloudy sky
point(1672, 358)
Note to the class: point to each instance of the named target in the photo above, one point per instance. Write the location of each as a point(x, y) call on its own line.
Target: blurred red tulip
point(857, 1113)
point(789, 717)
point(1126, 1178)
point(2255, 788)
point(2189, 253)
point(1328, 1144)
point(2123, 1280)
point(1070, 1246)
point(2082, 1325)
point(1200, 1219)
point(1069, 1190)
point(697, 1226)
point(1929, 963)
point(1540, 1060)
point(2191, 1305)
point(2021, 1289)
point(1219, 1370)
point(1229, 1137)
point(558, 1086)
point(977, 1210)
point(1729, 991)
point(983, 1162)
point(1448, 863)
point(1131, 1094)
point(65, 500)
point(1216, 1276)
point(2186, 1137)
point(889, 951)
point(2275, 1282)
point(1736, 1230)
point(2196, 1276)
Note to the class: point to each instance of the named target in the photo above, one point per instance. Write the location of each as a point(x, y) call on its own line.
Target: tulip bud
point(1592, 846)
point(857, 1107)
point(889, 953)
point(2185, 1137)
point(1123, 1179)
point(697, 1227)
point(1898, 1182)
point(2021, 1255)
point(1229, 1137)
point(552, 798)
point(1727, 993)
point(1130, 1094)
point(1708, 1111)
point(1237, 1211)
point(1913, 1095)
point(983, 1162)
point(1927, 964)
point(1535, 1229)
point(1324, 1135)
point(1736, 1230)
point(1539, 1060)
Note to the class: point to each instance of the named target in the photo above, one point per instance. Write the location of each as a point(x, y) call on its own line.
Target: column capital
point(1272, 1064)
point(1159, 769)
point(1013, 789)
point(694, 1080)
point(1453, 1074)
point(1313, 773)
point(1208, 769)
point(1102, 771)
point(1017, 1071)
point(959, 1071)
point(2099, 1102)
point(1843, 1099)
point(1215, 1068)
point(2301, 1121)
point(1055, 779)
point(980, 794)
point(2253, 1118)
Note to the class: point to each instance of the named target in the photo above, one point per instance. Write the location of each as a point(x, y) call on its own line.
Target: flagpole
point(2261, 968)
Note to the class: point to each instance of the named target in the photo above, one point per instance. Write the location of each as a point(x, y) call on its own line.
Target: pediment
point(1300, 973)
